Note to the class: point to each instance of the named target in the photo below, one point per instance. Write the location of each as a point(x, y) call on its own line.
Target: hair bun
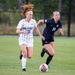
point(26, 8)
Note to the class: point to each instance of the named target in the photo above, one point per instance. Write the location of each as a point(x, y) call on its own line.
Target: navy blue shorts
point(47, 41)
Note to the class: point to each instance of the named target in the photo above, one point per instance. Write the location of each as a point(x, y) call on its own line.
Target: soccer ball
point(43, 68)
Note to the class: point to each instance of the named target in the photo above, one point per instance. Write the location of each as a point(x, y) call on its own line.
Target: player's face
point(56, 15)
point(29, 15)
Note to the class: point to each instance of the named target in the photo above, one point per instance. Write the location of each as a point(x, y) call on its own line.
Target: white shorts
point(27, 42)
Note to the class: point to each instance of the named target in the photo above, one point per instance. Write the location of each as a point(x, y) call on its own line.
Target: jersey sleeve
point(19, 25)
point(46, 21)
point(35, 24)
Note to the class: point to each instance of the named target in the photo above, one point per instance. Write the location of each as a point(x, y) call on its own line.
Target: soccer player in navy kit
point(52, 25)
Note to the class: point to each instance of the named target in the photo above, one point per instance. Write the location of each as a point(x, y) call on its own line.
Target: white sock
point(23, 62)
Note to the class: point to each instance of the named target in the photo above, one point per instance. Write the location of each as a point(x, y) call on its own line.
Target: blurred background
point(10, 14)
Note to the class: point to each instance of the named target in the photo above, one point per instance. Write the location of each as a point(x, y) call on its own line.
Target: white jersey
point(25, 25)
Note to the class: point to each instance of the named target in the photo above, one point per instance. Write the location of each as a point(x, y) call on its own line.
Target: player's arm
point(19, 31)
point(60, 31)
point(40, 21)
point(38, 32)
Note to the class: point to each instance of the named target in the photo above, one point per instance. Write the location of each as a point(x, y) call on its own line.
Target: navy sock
point(48, 60)
point(46, 51)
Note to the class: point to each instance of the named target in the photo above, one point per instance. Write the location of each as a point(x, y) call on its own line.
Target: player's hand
point(25, 31)
point(42, 37)
point(61, 33)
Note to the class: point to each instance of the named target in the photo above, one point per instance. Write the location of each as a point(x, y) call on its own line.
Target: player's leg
point(52, 44)
point(24, 51)
point(30, 48)
point(50, 50)
point(21, 54)
point(29, 52)
point(49, 58)
point(44, 50)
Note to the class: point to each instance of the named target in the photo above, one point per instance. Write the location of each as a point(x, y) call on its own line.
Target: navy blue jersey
point(51, 28)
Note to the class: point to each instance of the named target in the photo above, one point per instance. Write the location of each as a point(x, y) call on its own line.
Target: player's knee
point(52, 54)
point(24, 55)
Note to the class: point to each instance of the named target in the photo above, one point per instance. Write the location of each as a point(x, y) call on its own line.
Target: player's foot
point(23, 69)
point(20, 55)
point(42, 52)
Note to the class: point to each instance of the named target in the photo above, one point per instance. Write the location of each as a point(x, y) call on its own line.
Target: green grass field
point(63, 62)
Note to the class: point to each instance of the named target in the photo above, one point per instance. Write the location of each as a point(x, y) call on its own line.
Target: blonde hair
point(26, 8)
point(55, 12)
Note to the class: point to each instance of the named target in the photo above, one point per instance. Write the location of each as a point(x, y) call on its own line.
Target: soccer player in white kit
point(25, 30)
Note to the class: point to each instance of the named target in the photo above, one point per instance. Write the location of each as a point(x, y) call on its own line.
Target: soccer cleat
point(24, 69)
point(20, 55)
point(43, 52)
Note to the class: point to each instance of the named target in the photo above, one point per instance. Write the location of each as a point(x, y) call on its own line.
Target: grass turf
point(63, 62)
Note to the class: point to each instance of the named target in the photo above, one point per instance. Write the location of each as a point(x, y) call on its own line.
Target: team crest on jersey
point(57, 25)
